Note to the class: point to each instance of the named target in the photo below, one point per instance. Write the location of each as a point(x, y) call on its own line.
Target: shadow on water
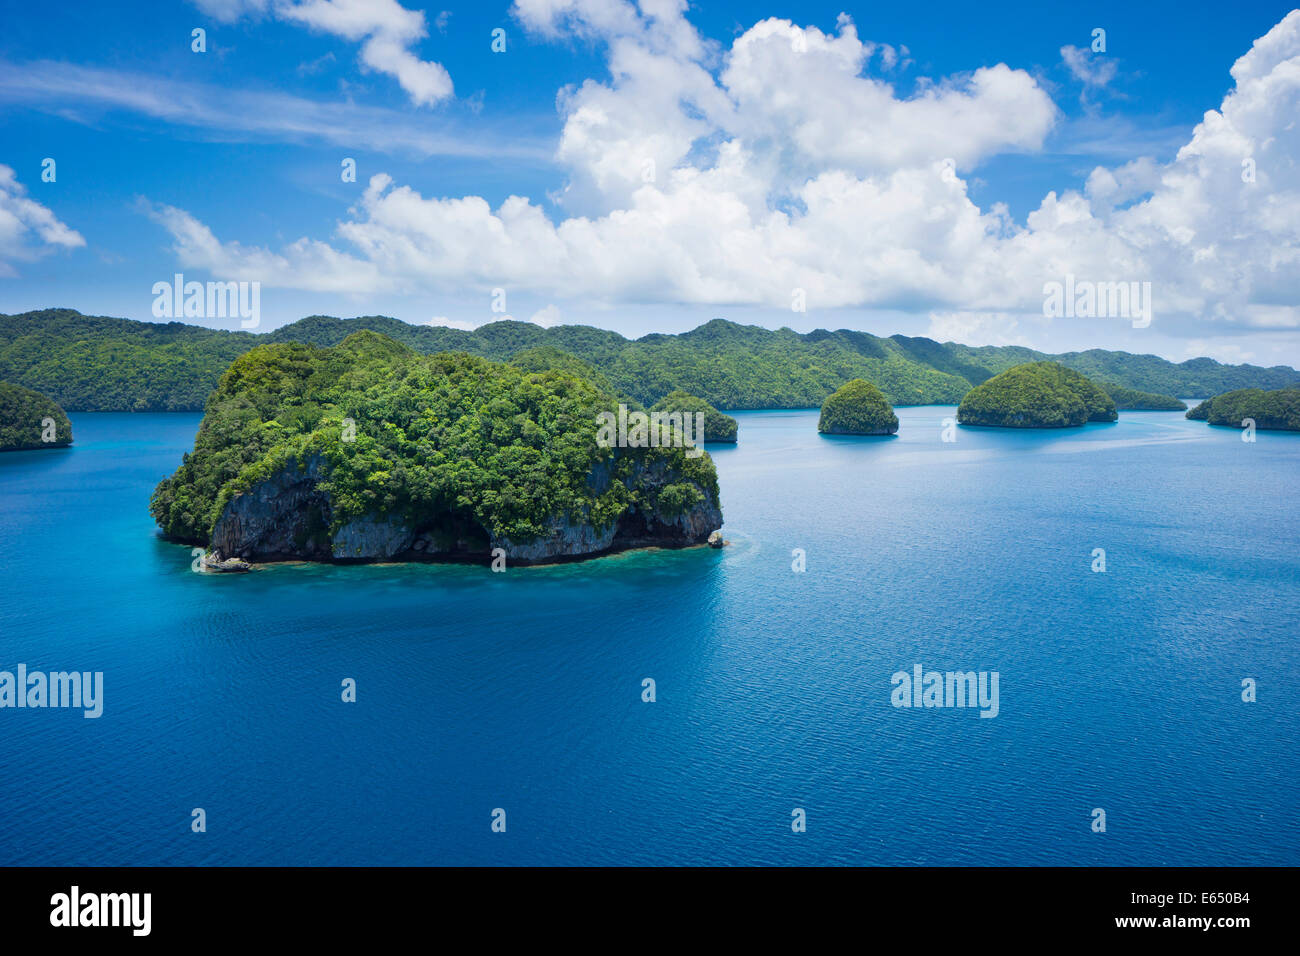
point(851, 439)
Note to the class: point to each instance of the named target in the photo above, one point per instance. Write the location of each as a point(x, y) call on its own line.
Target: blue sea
point(522, 691)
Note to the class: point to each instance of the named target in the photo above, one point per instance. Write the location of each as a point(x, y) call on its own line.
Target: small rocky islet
point(857, 408)
point(1030, 395)
point(1037, 395)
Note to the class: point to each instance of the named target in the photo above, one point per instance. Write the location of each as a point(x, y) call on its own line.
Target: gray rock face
point(210, 562)
point(566, 539)
point(372, 539)
point(638, 529)
point(287, 516)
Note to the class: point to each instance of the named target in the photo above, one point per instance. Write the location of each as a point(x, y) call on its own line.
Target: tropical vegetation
point(447, 438)
point(28, 418)
point(1131, 399)
point(1277, 410)
point(857, 408)
point(90, 363)
point(717, 426)
point(1036, 395)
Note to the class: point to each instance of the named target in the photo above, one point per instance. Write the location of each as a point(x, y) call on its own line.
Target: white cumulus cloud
point(785, 165)
point(546, 317)
point(441, 321)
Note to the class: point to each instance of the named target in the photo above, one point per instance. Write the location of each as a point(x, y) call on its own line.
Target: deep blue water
point(1119, 690)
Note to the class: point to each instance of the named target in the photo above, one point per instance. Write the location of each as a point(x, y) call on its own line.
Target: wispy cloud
point(1094, 71)
point(1118, 137)
point(27, 228)
point(1089, 68)
point(441, 321)
point(385, 29)
point(72, 91)
point(312, 67)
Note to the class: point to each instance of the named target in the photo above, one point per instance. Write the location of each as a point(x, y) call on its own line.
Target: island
point(31, 421)
point(370, 451)
point(1130, 399)
point(857, 408)
point(717, 426)
point(1036, 395)
point(1276, 410)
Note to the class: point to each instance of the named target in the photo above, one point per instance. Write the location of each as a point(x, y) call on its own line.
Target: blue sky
point(225, 164)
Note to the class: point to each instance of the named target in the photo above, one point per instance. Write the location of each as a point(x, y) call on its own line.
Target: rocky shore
point(288, 516)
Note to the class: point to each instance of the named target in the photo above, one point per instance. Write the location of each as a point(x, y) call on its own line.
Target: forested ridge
point(94, 363)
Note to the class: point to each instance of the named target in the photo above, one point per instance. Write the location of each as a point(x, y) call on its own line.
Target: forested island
point(89, 363)
point(717, 426)
point(1276, 410)
point(369, 451)
point(30, 420)
point(1130, 399)
point(857, 408)
point(1037, 395)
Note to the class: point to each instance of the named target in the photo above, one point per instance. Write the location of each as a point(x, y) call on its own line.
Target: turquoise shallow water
point(522, 690)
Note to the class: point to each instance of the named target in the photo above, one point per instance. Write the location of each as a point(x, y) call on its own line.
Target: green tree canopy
point(26, 418)
point(717, 426)
point(1133, 400)
point(1277, 410)
point(420, 438)
point(857, 408)
point(1036, 395)
point(90, 363)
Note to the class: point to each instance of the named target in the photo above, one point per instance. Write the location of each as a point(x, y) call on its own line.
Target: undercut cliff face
point(288, 517)
point(285, 515)
point(369, 452)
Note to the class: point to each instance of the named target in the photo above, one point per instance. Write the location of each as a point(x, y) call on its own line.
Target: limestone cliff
point(288, 516)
